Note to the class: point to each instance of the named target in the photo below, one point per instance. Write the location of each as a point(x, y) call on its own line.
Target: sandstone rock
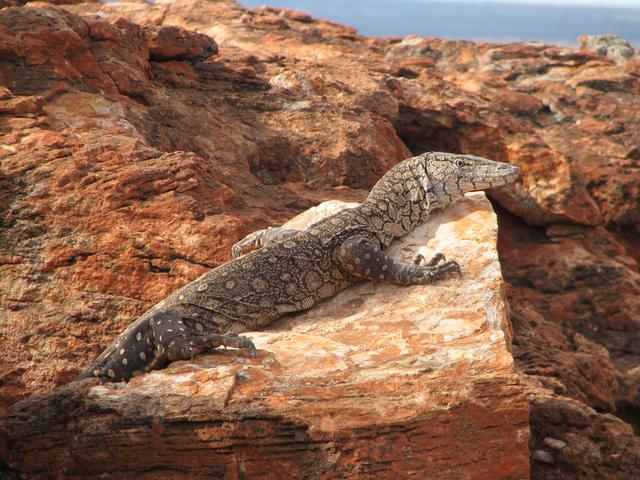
point(598, 446)
point(107, 209)
point(20, 105)
point(573, 294)
point(381, 380)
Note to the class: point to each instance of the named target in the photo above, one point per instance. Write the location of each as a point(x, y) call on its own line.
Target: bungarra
point(294, 270)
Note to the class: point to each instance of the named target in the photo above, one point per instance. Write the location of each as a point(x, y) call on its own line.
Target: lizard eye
point(460, 163)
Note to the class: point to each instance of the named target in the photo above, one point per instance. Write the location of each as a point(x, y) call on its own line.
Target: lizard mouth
point(514, 176)
point(511, 174)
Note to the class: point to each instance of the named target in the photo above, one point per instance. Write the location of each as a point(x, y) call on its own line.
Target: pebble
point(543, 456)
point(554, 443)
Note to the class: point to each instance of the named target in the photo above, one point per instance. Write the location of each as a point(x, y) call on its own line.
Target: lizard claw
point(452, 266)
point(246, 343)
point(435, 260)
point(458, 270)
point(230, 334)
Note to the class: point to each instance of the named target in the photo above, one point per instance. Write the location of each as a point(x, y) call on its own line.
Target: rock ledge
point(381, 380)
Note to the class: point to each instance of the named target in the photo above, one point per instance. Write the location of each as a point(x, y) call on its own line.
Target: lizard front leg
point(360, 256)
point(261, 238)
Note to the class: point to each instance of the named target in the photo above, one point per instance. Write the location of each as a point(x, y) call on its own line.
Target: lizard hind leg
point(128, 356)
point(438, 257)
point(175, 340)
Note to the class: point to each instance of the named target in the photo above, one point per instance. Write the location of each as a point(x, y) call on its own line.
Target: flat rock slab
point(381, 381)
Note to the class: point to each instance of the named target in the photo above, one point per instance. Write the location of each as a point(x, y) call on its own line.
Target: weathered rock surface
point(126, 174)
point(380, 381)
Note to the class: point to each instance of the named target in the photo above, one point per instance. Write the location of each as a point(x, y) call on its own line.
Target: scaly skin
point(294, 270)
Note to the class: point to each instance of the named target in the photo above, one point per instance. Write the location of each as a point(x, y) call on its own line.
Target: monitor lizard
point(293, 270)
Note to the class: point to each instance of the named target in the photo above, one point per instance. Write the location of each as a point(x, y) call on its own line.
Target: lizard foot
point(437, 258)
point(250, 242)
point(188, 347)
point(450, 266)
point(431, 274)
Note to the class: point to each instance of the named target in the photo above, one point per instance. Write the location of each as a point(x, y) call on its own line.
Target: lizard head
point(456, 174)
point(434, 179)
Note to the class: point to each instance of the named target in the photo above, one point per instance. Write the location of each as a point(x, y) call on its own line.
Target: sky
point(551, 21)
point(590, 3)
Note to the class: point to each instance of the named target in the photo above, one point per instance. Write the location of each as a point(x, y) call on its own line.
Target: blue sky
point(589, 3)
point(550, 21)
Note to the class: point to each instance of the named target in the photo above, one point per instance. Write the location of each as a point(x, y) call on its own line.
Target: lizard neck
point(403, 198)
point(396, 209)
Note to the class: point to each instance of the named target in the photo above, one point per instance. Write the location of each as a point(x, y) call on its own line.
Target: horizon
point(549, 21)
point(554, 3)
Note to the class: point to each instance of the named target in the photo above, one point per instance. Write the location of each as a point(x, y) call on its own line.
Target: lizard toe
point(437, 258)
point(418, 259)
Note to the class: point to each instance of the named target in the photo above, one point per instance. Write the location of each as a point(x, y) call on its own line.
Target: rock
point(599, 446)
point(358, 382)
point(588, 285)
point(542, 456)
point(5, 93)
point(20, 105)
point(518, 103)
point(294, 82)
point(554, 443)
point(606, 79)
point(412, 46)
point(104, 206)
point(573, 295)
point(176, 43)
point(610, 46)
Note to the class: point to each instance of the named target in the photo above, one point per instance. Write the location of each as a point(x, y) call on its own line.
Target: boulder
point(381, 380)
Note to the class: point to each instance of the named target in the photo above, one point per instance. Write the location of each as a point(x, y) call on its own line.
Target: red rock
point(105, 212)
point(19, 105)
point(604, 78)
point(171, 42)
point(518, 103)
point(5, 93)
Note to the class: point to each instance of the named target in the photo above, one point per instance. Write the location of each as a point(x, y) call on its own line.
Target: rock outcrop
point(380, 381)
point(139, 141)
